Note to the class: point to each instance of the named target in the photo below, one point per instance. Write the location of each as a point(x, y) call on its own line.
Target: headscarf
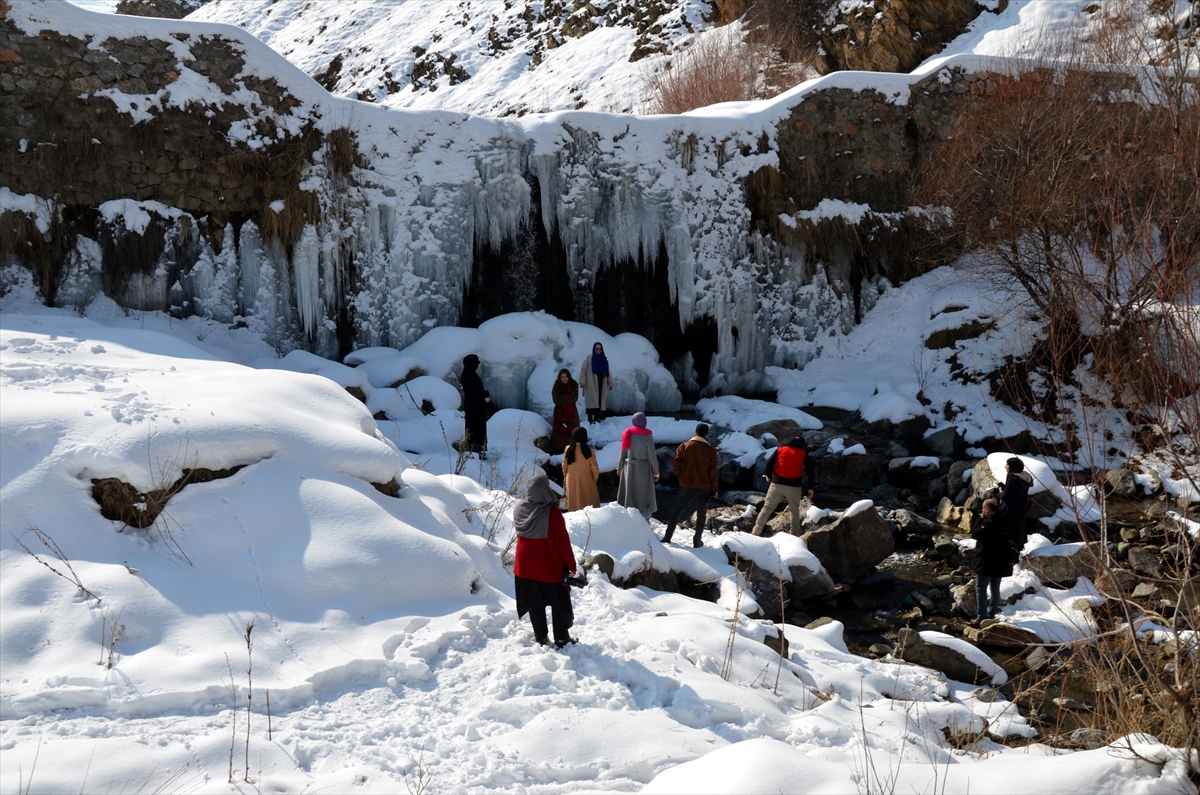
point(580, 437)
point(637, 429)
point(531, 517)
point(470, 362)
point(599, 361)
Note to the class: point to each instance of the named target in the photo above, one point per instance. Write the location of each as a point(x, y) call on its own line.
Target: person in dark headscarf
point(596, 381)
point(565, 395)
point(475, 405)
point(544, 557)
point(580, 473)
point(1015, 496)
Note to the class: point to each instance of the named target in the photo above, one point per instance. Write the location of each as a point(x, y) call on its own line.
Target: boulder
point(736, 497)
point(771, 595)
point(964, 599)
point(853, 545)
point(1121, 482)
point(954, 477)
point(950, 514)
point(778, 641)
point(884, 493)
point(946, 442)
point(911, 523)
point(808, 584)
point(782, 430)
point(602, 561)
point(1062, 564)
point(910, 432)
point(913, 470)
point(1003, 636)
point(910, 647)
point(1146, 561)
point(983, 483)
point(857, 471)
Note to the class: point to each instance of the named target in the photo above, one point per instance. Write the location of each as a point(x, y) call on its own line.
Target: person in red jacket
point(790, 472)
point(544, 556)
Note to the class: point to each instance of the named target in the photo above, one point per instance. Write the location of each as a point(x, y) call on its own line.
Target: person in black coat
point(475, 405)
point(1015, 496)
point(994, 557)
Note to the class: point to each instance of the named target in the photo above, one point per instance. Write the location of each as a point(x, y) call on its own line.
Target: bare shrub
point(719, 67)
point(52, 546)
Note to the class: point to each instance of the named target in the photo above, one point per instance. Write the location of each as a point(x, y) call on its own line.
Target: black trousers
point(534, 597)
point(688, 501)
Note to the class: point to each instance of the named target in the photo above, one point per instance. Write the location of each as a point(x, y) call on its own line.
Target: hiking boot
point(563, 643)
point(697, 543)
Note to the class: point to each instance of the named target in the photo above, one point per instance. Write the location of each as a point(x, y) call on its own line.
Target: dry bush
point(1080, 185)
point(719, 67)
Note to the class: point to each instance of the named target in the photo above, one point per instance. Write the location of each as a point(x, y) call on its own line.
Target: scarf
point(599, 362)
point(628, 434)
point(531, 517)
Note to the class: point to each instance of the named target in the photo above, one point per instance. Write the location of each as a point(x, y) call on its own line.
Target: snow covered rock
point(852, 545)
point(1062, 564)
point(858, 471)
point(1002, 635)
point(952, 656)
point(911, 471)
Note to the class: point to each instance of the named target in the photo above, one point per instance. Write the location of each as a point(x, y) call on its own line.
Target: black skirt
point(535, 595)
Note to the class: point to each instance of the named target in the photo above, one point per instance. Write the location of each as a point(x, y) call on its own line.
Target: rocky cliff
point(189, 169)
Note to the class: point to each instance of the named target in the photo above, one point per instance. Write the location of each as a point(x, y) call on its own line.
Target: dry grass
point(719, 67)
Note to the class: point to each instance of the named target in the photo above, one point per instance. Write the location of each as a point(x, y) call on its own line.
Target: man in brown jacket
point(696, 465)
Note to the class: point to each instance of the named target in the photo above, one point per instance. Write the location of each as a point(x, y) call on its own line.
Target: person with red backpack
point(791, 475)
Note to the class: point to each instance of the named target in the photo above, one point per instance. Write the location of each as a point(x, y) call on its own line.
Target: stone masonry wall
point(65, 140)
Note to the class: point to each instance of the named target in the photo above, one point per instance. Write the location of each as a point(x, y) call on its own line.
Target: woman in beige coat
point(580, 472)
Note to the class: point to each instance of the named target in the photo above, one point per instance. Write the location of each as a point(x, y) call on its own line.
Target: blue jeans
point(982, 583)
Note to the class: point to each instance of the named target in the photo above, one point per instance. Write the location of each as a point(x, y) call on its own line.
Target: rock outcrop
point(853, 545)
point(892, 35)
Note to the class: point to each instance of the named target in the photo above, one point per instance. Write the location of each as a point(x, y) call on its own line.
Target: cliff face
point(893, 35)
point(187, 168)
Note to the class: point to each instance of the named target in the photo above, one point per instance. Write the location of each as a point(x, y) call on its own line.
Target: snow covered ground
point(384, 628)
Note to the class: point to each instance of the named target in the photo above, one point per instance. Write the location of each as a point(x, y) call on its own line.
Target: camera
point(578, 582)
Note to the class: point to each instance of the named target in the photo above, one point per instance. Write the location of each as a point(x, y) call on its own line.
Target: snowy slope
point(489, 57)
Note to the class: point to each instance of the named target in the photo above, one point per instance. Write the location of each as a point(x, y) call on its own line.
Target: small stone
point(879, 649)
point(1146, 590)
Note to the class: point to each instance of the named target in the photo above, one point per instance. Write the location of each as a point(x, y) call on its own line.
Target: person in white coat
point(596, 381)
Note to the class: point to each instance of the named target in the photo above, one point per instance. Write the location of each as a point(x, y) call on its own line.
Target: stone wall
point(71, 141)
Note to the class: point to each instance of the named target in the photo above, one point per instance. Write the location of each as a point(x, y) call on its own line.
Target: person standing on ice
point(1014, 493)
point(543, 558)
point(995, 555)
point(596, 381)
point(696, 465)
point(580, 473)
point(475, 406)
point(637, 467)
point(565, 395)
point(791, 475)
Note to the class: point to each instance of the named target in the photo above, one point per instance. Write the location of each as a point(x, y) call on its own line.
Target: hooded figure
point(580, 473)
point(596, 381)
point(1015, 496)
point(565, 395)
point(475, 405)
point(995, 555)
point(543, 559)
point(637, 467)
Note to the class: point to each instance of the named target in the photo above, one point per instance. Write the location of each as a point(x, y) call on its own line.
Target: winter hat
point(1015, 464)
point(639, 420)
